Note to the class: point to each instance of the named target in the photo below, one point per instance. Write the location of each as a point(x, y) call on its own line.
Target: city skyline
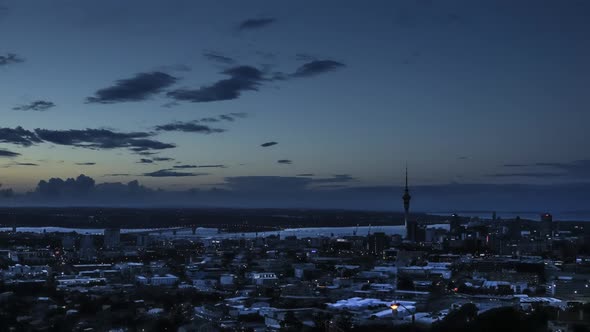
point(325, 103)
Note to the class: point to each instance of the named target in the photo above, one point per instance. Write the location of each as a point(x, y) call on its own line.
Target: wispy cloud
point(9, 154)
point(102, 139)
point(573, 169)
point(241, 78)
point(256, 23)
point(184, 166)
point(337, 178)
point(528, 174)
point(37, 105)
point(140, 87)
point(10, 58)
point(317, 67)
point(26, 164)
point(18, 136)
point(218, 57)
point(171, 173)
point(163, 159)
point(189, 127)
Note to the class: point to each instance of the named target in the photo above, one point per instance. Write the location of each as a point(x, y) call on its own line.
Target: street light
point(396, 305)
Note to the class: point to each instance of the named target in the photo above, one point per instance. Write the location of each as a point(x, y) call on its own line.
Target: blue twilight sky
point(468, 92)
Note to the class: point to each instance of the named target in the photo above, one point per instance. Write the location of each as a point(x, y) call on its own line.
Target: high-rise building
point(142, 240)
point(87, 249)
point(455, 228)
point(514, 228)
point(68, 242)
point(546, 229)
point(112, 238)
point(377, 242)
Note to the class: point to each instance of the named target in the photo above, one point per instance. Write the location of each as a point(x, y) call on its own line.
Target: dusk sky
point(324, 94)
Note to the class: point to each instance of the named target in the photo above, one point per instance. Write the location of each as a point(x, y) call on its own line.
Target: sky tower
point(407, 197)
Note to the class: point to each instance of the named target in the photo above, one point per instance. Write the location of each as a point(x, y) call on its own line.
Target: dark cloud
point(37, 105)
point(267, 183)
point(83, 190)
point(9, 154)
point(232, 116)
point(217, 57)
point(10, 58)
point(162, 159)
point(198, 166)
point(18, 136)
point(576, 169)
point(209, 119)
point(248, 78)
point(86, 138)
point(56, 187)
point(26, 164)
point(146, 153)
point(305, 175)
point(336, 179)
point(173, 68)
point(184, 166)
point(317, 67)
point(528, 174)
point(102, 139)
point(267, 144)
point(189, 127)
point(302, 192)
point(86, 164)
point(224, 117)
point(145, 161)
point(246, 73)
point(301, 183)
point(285, 161)
point(171, 173)
point(242, 78)
point(138, 88)
point(256, 23)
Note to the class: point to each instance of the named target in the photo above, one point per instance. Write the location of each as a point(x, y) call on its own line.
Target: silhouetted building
point(515, 228)
point(112, 238)
point(455, 227)
point(87, 249)
point(68, 242)
point(419, 232)
point(546, 229)
point(377, 242)
point(142, 240)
